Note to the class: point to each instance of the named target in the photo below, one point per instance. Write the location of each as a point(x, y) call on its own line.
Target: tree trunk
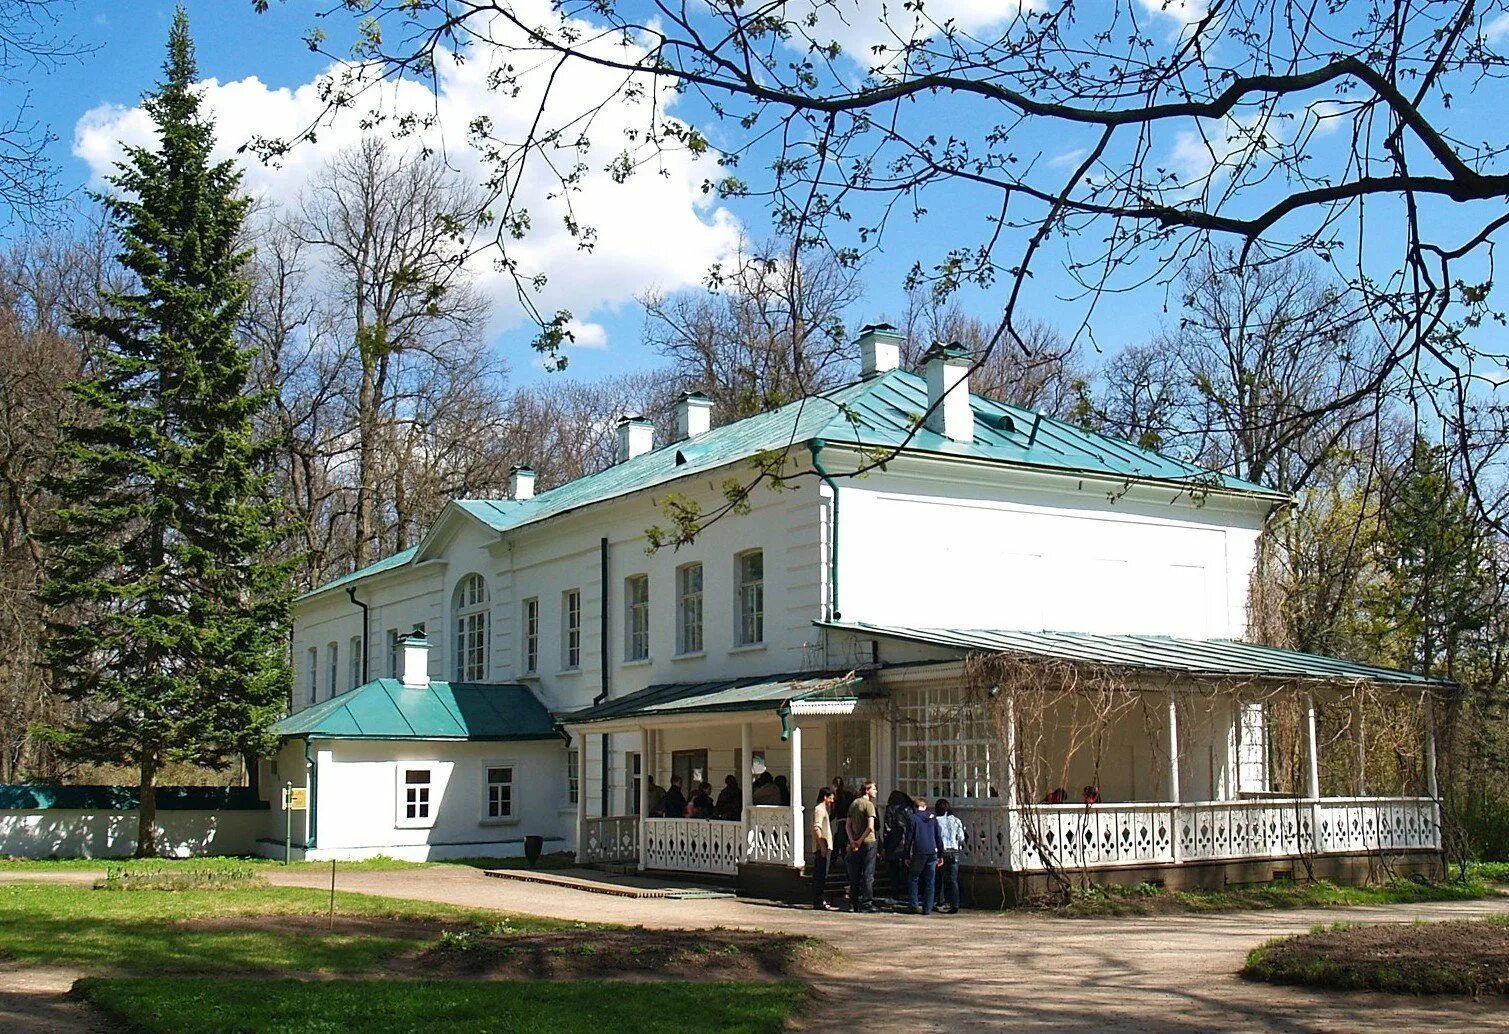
point(146, 822)
point(366, 472)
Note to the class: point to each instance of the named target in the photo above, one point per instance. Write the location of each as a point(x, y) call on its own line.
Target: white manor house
point(1008, 612)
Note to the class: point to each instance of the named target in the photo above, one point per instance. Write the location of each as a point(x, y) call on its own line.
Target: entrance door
point(849, 749)
point(631, 794)
point(691, 766)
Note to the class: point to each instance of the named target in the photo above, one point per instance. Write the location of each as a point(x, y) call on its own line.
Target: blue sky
point(656, 234)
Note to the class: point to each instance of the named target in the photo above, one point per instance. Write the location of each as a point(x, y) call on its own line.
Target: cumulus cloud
point(657, 228)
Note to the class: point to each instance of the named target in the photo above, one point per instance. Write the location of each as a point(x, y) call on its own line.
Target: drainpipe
point(314, 777)
point(366, 646)
point(602, 655)
point(817, 445)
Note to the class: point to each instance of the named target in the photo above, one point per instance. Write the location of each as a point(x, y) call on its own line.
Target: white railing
point(1030, 838)
point(693, 845)
point(611, 838)
point(769, 837)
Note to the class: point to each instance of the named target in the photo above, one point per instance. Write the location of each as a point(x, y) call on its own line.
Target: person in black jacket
point(925, 855)
point(893, 842)
point(730, 803)
point(674, 804)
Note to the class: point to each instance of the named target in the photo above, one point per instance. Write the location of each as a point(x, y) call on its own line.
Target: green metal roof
point(388, 563)
point(753, 693)
point(387, 710)
point(1221, 658)
point(881, 412)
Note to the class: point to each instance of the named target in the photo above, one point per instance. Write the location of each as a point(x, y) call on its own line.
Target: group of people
point(921, 844)
point(696, 802)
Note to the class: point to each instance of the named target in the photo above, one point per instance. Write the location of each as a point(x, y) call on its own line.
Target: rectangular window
point(355, 661)
point(637, 617)
point(333, 667)
point(531, 635)
point(631, 791)
point(945, 745)
point(751, 571)
point(314, 674)
point(1252, 748)
point(689, 608)
point(573, 773)
point(500, 792)
point(571, 624)
point(416, 794)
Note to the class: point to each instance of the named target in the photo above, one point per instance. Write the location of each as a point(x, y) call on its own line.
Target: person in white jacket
point(951, 829)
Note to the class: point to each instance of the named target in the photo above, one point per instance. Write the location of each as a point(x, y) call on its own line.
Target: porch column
point(1432, 787)
point(1312, 749)
point(581, 797)
point(798, 833)
point(1173, 747)
point(1359, 737)
point(746, 743)
point(646, 759)
point(1009, 791)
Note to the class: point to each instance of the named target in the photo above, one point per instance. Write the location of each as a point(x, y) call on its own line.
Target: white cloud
point(588, 335)
point(862, 26)
point(1497, 29)
point(657, 228)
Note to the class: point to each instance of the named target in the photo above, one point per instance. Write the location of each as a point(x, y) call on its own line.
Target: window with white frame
point(314, 674)
point(332, 667)
point(637, 617)
point(751, 580)
point(354, 660)
point(689, 608)
point(1252, 748)
point(573, 773)
point(571, 629)
point(499, 793)
point(471, 608)
point(416, 789)
point(945, 744)
point(530, 637)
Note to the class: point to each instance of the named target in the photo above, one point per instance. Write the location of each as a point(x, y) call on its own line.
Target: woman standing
point(822, 849)
point(951, 831)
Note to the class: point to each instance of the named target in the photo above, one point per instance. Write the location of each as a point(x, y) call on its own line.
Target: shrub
point(190, 874)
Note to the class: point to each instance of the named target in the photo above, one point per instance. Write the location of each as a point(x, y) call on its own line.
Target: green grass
point(1145, 899)
point(1488, 872)
point(194, 1005)
point(54, 924)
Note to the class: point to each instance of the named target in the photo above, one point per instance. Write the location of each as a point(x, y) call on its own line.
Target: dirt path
point(36, 1001)
point(980, 971)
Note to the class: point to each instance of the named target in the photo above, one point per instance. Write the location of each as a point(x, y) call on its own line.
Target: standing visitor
point(654, 801)
point(701, 806)
point(951, 829)
point(822, 849)
point(861, 856)
point(894, 845)
point(925, 856)
point(674, 803)
point(730, 803)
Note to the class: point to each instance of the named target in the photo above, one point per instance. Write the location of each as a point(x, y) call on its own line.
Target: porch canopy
point(812, 692)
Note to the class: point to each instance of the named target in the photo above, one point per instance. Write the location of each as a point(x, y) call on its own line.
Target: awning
point(1219, 658)
point(753, 693)
point(385, 709)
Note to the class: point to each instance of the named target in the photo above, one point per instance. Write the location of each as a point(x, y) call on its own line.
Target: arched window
point(470, 608)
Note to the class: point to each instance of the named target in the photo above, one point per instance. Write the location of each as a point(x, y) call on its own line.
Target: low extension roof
point(1220, 658)
point(753, 693)
point(387, 710)
point(881, 412)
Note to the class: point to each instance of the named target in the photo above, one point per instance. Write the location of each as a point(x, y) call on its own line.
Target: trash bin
point(533, 846)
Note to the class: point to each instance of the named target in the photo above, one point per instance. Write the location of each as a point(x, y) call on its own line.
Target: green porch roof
point(879, 412)
point(753, 693)
point(387, 710)
point(1219, 658)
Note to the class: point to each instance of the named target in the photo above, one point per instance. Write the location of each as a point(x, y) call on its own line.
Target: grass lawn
point(193, 1005)
point(177, 931)
point(1464, 956)
point(1147, 899)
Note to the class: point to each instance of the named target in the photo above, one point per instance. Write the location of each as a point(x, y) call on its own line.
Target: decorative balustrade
point(611, 839)
point(1028, 838)
point(693, 845)
point(769, 838)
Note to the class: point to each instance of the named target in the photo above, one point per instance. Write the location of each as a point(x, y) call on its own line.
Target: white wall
point(69, 833)
point(358, 797)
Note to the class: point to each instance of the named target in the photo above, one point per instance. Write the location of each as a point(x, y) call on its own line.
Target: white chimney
point(879, 349)
point(948, 410)
point(416, 661)
point(694, 415)
point(521, 483)
point(636, 436)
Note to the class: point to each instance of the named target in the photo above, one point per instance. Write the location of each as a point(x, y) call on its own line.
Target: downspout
point(785, 716)
point(366, 645)
point(602, 660)
point(313, 772)
point(831, 607)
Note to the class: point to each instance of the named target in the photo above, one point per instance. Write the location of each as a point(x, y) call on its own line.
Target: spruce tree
point(166, 622)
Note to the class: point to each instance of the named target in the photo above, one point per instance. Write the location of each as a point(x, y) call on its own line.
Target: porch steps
point(612, 886)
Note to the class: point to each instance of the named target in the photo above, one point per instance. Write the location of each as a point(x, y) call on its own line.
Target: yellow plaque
point(298, 798)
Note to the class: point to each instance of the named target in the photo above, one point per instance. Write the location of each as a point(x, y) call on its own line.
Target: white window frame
point(471, 623)
point(1253, 769)
point(945, 744)
point(636, 618)
point(573, 777)
point(354, 662)
point(530, 635)
point(689, 597)
point(433, 787)
point(314, 674)
point(488, 818)
point(571, 630)
point(749, 613)
point(332, 668)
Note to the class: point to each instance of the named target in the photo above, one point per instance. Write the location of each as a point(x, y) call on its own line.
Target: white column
point(1013, 761)
point(645, 761)
point(1432, 787)
point(746, 742)
point(798, 832)
point(1312, 749)
point(1173, 747)
point(1360, 742)
point(581, 798)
